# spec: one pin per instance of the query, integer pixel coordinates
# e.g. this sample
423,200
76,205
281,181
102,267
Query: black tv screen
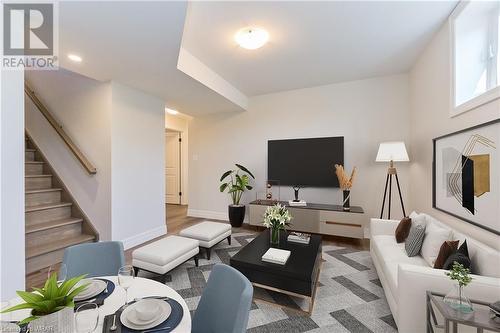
305,162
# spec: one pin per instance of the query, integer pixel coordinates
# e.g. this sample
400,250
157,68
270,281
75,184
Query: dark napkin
172,321
99,299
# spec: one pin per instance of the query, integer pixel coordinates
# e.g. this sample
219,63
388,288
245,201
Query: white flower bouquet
276,218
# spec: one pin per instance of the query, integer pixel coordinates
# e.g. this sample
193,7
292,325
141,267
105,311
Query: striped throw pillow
415,240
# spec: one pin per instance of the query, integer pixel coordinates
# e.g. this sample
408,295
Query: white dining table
140,288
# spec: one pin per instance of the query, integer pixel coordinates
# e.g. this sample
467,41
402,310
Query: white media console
316,218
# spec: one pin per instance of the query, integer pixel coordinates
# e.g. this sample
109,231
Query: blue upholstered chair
225,303
94,259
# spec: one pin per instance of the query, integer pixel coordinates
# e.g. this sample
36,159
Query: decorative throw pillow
435,236
417,218
403,229
461,256
414,240
446,250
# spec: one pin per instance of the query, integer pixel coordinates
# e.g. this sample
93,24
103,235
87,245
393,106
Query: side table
479,319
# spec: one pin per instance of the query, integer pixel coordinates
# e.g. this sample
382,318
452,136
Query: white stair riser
38,183
34,199
48,215
49,235
33,169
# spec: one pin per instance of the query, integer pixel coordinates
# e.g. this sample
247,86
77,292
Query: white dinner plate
128,316
94,288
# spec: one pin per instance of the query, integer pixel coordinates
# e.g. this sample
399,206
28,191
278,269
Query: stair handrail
87,165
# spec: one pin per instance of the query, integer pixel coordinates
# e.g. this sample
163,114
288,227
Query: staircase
53,219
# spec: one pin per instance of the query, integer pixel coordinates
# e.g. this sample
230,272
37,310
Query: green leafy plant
236,183
49,299
460,274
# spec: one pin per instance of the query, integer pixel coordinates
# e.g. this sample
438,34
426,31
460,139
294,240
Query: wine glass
125,278
87,318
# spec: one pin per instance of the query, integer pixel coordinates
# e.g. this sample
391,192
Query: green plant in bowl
51,298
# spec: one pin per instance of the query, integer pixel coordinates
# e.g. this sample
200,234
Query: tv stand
316,218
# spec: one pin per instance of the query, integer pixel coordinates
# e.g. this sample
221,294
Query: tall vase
345,204
274,236
457,299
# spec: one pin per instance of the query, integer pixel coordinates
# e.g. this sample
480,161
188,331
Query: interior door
172,168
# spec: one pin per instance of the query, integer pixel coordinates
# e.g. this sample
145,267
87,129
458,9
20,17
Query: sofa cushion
415,239
435,236
403,229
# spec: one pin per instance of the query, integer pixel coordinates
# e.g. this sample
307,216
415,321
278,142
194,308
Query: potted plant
456,297
51,300
276,218
236,182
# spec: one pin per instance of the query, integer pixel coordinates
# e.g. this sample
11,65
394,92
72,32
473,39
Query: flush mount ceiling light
171,111
74,57
251,38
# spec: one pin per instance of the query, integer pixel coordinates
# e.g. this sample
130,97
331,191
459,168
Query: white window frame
486,97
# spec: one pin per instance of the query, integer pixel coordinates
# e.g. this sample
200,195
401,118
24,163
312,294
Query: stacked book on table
276,256
495,308
297,237
300,203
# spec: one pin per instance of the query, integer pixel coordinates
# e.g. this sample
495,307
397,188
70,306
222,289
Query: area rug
349,297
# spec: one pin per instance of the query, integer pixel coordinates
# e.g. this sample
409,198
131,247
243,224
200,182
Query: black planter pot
236,215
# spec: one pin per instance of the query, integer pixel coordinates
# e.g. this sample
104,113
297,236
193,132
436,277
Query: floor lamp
392,152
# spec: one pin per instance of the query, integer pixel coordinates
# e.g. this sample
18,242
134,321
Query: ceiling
184,52
135,43
311,43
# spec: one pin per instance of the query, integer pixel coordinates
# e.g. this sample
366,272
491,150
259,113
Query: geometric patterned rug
349,297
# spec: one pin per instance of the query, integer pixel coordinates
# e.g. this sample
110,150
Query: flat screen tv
305,162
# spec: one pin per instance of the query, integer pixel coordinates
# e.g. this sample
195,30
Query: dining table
140,288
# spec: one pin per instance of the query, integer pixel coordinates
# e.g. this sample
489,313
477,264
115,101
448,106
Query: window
475,54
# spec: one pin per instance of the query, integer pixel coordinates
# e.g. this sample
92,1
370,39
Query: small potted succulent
236,182
51,300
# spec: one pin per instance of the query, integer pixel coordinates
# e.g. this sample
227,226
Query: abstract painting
466,175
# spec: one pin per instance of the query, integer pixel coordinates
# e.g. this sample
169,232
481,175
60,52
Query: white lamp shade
392,151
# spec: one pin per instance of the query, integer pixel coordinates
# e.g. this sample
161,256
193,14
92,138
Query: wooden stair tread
37,176
47,206
52,224
33,251
34,162
43,190
30,149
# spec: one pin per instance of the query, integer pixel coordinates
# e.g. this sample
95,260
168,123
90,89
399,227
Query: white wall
138,165
430,106
83,107
12,184
365,112
180,123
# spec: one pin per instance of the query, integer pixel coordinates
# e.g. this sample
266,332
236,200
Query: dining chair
94,259
225,303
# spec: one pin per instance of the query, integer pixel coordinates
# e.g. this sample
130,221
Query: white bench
165,254
208,234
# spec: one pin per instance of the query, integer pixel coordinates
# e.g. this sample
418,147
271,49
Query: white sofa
406,279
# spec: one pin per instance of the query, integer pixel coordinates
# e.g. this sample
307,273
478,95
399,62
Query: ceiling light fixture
74,57
171,111
251,38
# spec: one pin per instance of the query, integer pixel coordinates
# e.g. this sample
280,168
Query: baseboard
211,215
144,237
207,214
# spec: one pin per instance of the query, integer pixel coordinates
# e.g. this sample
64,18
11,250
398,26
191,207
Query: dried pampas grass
344,180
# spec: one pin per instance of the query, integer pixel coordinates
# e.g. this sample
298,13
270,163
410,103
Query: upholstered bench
165,254
208,234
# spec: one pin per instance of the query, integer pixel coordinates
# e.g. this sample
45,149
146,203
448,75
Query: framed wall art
466,175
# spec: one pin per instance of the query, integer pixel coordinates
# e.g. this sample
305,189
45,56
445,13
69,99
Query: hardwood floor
177,219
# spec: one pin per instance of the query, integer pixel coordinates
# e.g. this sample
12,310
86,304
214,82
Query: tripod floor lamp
392,152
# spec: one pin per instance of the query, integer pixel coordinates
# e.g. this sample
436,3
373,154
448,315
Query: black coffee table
298,277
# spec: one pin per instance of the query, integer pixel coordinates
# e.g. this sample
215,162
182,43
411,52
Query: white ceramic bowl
146,309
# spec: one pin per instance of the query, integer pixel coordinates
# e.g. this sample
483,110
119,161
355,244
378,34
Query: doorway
173,173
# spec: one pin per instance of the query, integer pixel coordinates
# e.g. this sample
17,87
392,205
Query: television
305,162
